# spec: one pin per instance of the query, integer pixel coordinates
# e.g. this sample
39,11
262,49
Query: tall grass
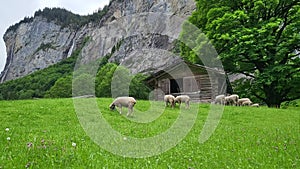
47,134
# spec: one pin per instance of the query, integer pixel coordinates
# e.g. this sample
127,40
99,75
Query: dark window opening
176,85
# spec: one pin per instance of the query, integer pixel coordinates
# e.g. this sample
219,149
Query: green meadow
47,133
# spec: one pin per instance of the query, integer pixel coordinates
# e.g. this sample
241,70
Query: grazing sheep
183,98
169,99
232,99
240,101
123,101
255,105
247,103
220,99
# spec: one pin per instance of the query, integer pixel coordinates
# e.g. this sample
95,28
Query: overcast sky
13,11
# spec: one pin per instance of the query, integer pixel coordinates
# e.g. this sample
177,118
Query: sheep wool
183,98
120,102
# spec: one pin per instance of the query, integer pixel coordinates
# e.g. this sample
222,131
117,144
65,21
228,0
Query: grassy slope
245,138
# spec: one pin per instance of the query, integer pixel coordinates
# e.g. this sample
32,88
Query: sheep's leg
172,102
179,103
187,104
130,109
129,112
120,109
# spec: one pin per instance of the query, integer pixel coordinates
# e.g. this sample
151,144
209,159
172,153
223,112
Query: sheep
183,98
240,101
255,105
247,103
123,101
169,99
220,99
231,99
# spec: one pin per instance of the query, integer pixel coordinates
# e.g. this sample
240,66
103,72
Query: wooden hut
199,82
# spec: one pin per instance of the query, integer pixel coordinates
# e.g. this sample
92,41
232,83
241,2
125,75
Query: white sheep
220,99
231,99
123,102
247,103
183,98
169,99
255,105
240,101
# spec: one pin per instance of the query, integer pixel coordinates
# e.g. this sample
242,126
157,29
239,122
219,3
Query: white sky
13,11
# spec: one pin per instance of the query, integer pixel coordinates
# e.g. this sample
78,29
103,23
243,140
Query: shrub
83,85
61,89
103,80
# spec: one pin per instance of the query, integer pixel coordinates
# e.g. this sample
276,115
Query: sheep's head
112,106
172,101
176,100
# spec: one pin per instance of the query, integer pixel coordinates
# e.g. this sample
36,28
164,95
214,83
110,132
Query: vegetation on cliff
63,17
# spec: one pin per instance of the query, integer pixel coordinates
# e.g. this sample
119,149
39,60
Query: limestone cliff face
144,30
35,45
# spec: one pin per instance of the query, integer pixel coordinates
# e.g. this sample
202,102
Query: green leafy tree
138,88
118,80
61,89
258,38
121,81
103,80
29,94
84,84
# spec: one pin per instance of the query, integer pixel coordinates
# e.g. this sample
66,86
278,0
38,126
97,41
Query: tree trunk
271,102
273,105
273,99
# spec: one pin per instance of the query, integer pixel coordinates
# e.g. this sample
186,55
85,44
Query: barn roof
179,62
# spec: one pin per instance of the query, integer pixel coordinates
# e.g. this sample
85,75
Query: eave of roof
177,63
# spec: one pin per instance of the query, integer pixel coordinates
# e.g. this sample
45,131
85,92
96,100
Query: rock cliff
140,34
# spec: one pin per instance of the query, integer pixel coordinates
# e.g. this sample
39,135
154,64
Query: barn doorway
176,85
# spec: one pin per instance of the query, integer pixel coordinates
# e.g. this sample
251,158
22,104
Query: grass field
47,134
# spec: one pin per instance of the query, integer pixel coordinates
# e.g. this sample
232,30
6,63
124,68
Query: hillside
48,133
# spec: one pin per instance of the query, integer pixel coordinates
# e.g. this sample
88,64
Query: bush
61,89
118,80
26,94
84,84
103,80
294,103
138,88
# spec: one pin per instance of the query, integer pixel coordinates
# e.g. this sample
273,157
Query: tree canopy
258,38
113,80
